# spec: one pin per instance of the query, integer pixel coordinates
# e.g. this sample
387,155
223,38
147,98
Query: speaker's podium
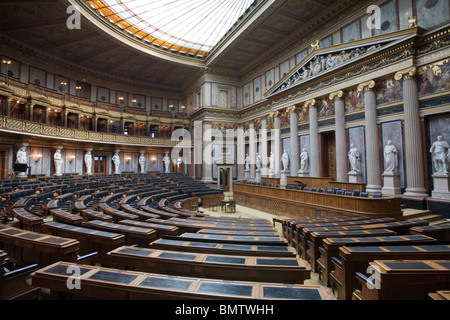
21,169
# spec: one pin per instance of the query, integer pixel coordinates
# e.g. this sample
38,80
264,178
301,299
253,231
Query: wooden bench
117,214
143,215
356,259
331,247
187,236
439,232
160,229
113,284
133,235
404,280
89,214
223,248
238,233
28,247
91,240
60,215
162,214
27,220
262,269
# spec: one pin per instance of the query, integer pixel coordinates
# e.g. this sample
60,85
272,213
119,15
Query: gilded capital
365,86
406,74
310,103
274,114
337,94
291,109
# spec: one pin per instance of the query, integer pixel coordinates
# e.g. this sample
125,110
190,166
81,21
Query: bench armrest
87,257
20,272
336,261
361,277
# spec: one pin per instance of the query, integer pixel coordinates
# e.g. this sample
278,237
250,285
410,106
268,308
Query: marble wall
356,136
393,130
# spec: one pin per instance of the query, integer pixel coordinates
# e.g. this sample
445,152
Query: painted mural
326,107
303,115
434,77
389,91
354,100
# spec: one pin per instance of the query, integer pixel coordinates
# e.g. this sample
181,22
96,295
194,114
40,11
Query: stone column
276,142
295,154
314,158
94,123
207,153
372,146
240,152
341,154
263,148
252,149
415,173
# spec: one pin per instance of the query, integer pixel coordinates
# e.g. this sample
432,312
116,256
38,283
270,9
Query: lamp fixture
37,157
128,159
7,61
71,158
153,159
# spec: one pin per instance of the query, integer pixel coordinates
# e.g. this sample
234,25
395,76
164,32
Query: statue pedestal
247,175
283,180
391,184
303,173
355,177
22,175
441,183
258,176
271,174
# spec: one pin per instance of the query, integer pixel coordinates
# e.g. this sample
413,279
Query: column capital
310,103
338,94
291,109
406,74
273,114
366,86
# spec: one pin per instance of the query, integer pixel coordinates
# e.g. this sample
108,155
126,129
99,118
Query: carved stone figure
58,162
304,163
439,151
272,162
354,159
88,162
142,162
258,162
390,158
21,156
166,161
247,162
285,161
116,160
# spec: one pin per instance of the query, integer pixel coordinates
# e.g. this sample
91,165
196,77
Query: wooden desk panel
109,284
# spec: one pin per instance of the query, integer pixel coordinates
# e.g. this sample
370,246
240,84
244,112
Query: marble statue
166,161
390,158
88,162
142,162
116,160
304,165
439,151
285,161
354,158
272,162
247,162
21,156
258,162
58,162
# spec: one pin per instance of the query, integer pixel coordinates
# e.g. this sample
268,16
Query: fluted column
276,142
263,147
240,150
415,174
252,149
295,156
314,169
372,146
341,154
207,153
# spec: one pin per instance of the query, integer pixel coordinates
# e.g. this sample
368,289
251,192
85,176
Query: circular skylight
191,27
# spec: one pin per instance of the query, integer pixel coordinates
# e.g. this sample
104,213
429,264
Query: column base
303,174
22,175
373,189
208,180
441,189
391,184
247,175
355,177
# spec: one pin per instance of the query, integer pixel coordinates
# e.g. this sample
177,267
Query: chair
313,189
356,193
320,190
306,189
194,207
213,206
232,206
340,192
377,195
329,191
348,193
298,187
277,186
364,194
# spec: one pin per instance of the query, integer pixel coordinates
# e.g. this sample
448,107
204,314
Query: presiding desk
114,284
300,203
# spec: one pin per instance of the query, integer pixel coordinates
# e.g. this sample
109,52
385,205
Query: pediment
327,60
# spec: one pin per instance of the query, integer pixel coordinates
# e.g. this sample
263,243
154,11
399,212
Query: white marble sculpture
390,158
247,162
285,161
304,163
142,162
57,157
166,161
354,159
21,156
439,151
88,162
272,162
258,162
116,160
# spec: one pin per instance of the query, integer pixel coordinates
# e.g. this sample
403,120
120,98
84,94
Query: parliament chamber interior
245,150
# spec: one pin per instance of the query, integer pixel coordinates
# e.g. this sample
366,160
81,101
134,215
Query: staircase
433,219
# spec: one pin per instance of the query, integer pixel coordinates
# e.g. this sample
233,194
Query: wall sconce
128,159
71,158
153,159
37,157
